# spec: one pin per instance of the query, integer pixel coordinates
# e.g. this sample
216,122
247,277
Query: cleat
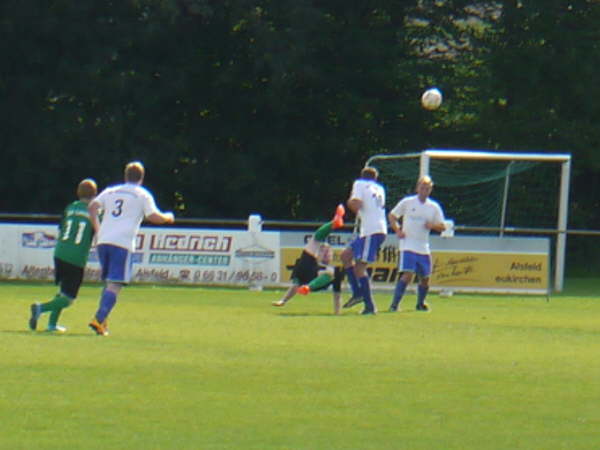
354,300
424,307
56,329
304,289
278,303
368,312
338,218
99,328
36,311
394,306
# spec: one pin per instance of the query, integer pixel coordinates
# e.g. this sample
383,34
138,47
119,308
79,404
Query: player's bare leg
288,295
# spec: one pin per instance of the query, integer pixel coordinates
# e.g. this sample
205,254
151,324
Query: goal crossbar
498,156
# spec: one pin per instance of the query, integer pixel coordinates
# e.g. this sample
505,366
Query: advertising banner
490,270
162,255
460,263
265,258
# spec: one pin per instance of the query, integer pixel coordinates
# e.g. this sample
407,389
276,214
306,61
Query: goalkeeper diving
313,270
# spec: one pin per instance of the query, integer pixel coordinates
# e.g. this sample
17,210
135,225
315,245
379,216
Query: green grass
191,368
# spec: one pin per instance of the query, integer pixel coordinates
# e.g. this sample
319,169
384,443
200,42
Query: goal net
488,192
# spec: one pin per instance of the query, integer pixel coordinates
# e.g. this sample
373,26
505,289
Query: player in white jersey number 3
124,207
419,215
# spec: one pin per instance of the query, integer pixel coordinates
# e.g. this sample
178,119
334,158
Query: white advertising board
162,255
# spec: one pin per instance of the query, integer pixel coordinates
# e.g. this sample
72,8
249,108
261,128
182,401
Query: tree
268,106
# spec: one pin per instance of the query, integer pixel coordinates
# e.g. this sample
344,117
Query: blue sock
107,301
398,292
421,294
353,281
365,289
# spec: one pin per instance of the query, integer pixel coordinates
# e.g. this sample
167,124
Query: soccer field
200,368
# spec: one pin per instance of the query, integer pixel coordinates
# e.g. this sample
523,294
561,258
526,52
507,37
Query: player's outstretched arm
436,226
159,218
337,303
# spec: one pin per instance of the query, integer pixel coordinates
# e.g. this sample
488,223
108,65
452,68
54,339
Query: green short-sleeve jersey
75,235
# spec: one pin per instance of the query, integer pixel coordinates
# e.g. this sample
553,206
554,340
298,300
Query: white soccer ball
431,99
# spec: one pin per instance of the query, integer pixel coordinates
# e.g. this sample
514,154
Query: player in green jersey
313,270
73,244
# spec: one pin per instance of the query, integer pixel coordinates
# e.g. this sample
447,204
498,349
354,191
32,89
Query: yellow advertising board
515,265
490,270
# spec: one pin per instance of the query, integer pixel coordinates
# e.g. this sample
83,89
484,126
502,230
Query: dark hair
134,172
369,173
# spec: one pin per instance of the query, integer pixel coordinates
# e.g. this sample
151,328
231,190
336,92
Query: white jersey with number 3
372,212
124,207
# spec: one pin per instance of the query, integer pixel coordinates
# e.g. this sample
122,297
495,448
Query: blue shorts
415,262
365,248
116,263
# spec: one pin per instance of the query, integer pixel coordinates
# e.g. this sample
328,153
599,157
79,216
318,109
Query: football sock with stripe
59,301
58,304
398,292
365,289
421,294
107,302
319,282
323,232
353,281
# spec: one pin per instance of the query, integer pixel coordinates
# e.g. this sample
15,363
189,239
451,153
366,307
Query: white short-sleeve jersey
124,207
414,215
372,212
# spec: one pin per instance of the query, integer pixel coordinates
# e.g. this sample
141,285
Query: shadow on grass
308,314
44,333
346,313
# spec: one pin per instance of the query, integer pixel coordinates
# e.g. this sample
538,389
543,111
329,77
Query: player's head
425,179
87,189
369,173
424,186
134,172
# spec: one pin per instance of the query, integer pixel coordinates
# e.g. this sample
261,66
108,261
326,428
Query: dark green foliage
267,106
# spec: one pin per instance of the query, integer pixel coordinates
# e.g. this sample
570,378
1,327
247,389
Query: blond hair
134,172
87,189
369,173
425,179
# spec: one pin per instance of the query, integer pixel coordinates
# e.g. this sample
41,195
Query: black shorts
307,269
68,276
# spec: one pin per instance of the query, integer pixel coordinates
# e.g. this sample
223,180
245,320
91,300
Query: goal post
490,192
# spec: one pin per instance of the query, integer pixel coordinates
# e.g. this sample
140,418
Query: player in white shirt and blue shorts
419,214
367,201
123,208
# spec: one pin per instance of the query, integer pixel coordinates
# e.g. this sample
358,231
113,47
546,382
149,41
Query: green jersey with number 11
75,235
